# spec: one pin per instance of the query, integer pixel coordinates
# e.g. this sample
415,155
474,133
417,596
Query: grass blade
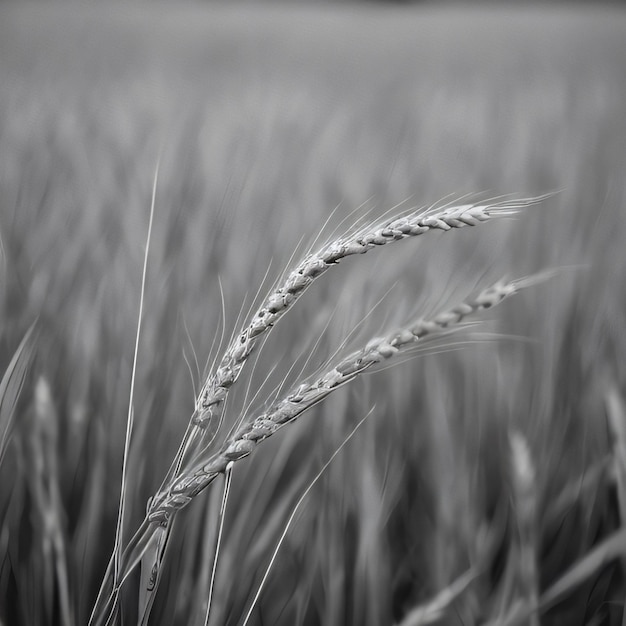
11,386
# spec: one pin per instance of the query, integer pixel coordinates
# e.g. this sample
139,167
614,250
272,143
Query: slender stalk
227,482
117,551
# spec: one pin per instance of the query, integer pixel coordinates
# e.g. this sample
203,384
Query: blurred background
276,126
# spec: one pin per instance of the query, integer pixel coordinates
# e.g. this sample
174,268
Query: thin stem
227,482
117,551
306,492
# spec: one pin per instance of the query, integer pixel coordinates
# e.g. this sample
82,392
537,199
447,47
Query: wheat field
486,481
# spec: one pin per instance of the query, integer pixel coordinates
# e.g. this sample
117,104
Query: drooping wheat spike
210,401
308,394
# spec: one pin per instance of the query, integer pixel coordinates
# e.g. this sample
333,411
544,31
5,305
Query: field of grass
488,483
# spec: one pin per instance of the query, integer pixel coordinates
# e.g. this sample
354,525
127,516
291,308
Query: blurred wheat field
271,124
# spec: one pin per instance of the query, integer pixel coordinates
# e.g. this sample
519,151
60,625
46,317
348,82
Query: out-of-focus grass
266,119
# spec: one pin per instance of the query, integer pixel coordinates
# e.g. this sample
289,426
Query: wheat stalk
196,466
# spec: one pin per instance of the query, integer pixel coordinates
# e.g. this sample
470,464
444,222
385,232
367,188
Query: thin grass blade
11,386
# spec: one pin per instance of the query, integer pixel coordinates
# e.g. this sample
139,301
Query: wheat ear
213,394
